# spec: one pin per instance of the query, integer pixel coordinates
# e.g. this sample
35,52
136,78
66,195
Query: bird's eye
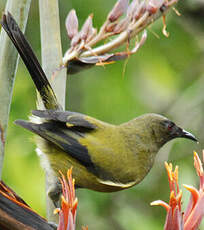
170,126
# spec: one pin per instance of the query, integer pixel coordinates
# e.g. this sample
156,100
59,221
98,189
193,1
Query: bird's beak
188,135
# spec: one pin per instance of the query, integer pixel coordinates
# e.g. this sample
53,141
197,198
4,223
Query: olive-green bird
104,157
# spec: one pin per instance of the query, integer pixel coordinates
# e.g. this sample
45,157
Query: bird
105,157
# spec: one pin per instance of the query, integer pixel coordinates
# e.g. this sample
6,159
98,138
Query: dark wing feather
73,119
58,134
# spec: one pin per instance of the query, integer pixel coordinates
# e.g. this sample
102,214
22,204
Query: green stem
51,60
8,65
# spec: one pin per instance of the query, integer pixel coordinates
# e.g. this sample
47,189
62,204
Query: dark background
166,76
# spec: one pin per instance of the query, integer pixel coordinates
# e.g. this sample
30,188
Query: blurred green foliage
166,76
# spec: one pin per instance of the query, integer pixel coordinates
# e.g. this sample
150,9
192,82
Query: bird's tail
30,60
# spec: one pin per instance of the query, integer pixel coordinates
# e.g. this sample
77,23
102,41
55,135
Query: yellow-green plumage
104,157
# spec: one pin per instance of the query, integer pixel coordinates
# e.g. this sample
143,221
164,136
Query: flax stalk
8,65
51,60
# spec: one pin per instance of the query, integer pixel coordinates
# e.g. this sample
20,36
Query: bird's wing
71,119
65,138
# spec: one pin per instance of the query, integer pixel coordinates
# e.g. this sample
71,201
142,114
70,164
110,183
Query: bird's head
164,130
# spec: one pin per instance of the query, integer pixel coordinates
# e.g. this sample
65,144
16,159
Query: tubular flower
67,212
192,217
195,209
123,23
